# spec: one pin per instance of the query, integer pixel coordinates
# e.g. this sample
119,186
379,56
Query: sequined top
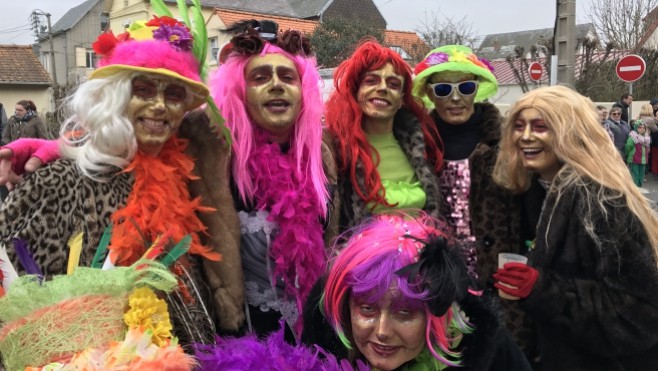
455,182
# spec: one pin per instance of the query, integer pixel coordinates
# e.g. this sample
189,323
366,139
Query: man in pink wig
268,90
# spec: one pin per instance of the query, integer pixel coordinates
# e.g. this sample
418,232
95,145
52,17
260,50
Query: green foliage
335,39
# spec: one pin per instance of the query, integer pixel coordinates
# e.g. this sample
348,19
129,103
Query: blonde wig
586,151
646,111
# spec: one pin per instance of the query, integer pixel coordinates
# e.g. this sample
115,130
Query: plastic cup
508,257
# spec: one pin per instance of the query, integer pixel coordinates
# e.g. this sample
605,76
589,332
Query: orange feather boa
159,203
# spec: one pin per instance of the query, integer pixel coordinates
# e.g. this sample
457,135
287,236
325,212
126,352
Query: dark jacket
595,305
16,129
408,133
496,219
488,348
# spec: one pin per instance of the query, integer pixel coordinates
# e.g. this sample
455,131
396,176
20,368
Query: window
213,43
84,57
401,51
89,59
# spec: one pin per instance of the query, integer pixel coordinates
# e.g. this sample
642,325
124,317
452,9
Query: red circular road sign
535,71
631,67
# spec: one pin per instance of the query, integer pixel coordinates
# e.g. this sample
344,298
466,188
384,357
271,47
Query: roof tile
19,64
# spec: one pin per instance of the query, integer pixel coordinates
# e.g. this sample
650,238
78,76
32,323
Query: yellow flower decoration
458,56
148,312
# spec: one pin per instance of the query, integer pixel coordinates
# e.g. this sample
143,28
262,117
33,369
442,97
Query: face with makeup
456,108
274,93
156,108
380,94
389,332
535,141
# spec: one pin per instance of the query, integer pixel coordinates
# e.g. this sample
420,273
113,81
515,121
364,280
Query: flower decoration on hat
455,58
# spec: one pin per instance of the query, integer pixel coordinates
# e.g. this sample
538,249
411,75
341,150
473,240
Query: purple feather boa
272,353
298,250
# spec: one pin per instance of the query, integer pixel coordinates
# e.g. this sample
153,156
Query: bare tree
439,29
620,22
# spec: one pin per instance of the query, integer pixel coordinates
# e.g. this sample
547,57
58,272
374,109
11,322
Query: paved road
651,184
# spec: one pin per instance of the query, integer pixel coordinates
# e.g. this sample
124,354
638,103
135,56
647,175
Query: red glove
521,276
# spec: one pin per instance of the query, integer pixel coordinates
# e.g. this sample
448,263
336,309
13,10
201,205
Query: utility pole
565,41
52,50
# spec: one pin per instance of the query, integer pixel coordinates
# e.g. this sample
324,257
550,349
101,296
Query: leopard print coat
408,133
496,221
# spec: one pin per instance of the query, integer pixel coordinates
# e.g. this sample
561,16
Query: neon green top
398,177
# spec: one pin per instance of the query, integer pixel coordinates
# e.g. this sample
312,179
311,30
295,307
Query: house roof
407,40
499,46
285,23
269,7
73,16
651,23
19,65
309,8
505,75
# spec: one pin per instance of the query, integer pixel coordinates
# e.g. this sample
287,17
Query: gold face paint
380,94
274,93
156,109
455,109
387,333
535,140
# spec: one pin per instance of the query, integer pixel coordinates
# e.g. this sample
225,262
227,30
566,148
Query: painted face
380,94
274,93
156,109
535,140
457,107
390,332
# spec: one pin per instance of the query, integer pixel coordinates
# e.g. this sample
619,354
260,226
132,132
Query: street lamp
52,48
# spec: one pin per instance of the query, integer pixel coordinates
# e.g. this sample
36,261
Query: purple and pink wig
228,88
366,268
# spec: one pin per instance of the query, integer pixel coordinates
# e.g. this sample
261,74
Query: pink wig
366,267
228,88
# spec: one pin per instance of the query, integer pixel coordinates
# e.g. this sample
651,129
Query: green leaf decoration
160,9
177,251
101,251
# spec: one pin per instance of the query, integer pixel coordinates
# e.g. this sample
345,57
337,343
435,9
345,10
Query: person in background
25,123
603,114
487,219
619,128
624,103
654,105
637,152
591,282
3,119
398,297
385,152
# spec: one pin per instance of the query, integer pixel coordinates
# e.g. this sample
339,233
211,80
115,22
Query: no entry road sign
535,71
631,67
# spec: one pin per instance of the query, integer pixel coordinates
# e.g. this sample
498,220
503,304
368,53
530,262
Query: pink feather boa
298,250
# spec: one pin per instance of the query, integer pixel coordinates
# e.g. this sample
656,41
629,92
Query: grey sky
485,16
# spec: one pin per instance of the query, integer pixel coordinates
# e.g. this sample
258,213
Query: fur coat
595,303
212,165
408,133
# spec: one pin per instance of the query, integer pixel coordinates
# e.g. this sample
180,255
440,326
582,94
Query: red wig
344,117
